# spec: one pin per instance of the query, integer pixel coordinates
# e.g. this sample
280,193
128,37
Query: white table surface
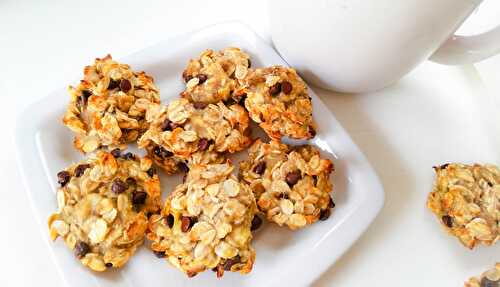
44,45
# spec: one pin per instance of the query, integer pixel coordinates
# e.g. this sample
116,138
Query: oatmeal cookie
215,75
103,204
490,278
108,107
291,185
466,199
182,129
277,99
206,223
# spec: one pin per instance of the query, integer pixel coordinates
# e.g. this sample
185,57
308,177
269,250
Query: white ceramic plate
284,257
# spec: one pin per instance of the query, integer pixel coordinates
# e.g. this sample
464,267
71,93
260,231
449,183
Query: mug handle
461,50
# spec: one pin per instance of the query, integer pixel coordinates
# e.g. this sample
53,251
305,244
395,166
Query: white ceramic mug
364,45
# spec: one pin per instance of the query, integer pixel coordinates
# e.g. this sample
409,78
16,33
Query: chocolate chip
183,167
151,171
312,131
81,249
490,184
324,214
231,261
129,156
157,150
331,204
118,186
80,101
447,220
131,181
191,274
293,177
113,84
203,144
125,85
275,89
169,221
249,63
286,87
162,152
86,94
166,125
260,168
108,264
315,179
444,166
80,169
199,105
486,282
159,254
63,177
220,270
202,78
256,223
139,197
187,222
116,152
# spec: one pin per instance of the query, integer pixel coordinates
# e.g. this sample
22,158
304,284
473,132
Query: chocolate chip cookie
103,204
215,75
466,200
108,106
291,184
206,223
277,99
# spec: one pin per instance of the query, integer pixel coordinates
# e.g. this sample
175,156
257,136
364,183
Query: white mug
364,45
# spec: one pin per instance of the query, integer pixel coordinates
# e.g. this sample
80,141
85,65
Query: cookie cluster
110,201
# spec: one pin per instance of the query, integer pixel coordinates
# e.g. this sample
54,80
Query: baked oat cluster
185,131
490,278
291,184
214,76
466,199
206,222
103,203
108,107
277,99
109,202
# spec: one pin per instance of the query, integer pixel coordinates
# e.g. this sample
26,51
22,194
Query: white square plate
44,147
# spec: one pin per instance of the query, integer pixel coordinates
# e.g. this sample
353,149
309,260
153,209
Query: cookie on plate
291,184
215,75
277,99
206,223
103,204
490,278
108,107
466,199
180,130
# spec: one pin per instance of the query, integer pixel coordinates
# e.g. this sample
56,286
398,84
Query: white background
45,44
